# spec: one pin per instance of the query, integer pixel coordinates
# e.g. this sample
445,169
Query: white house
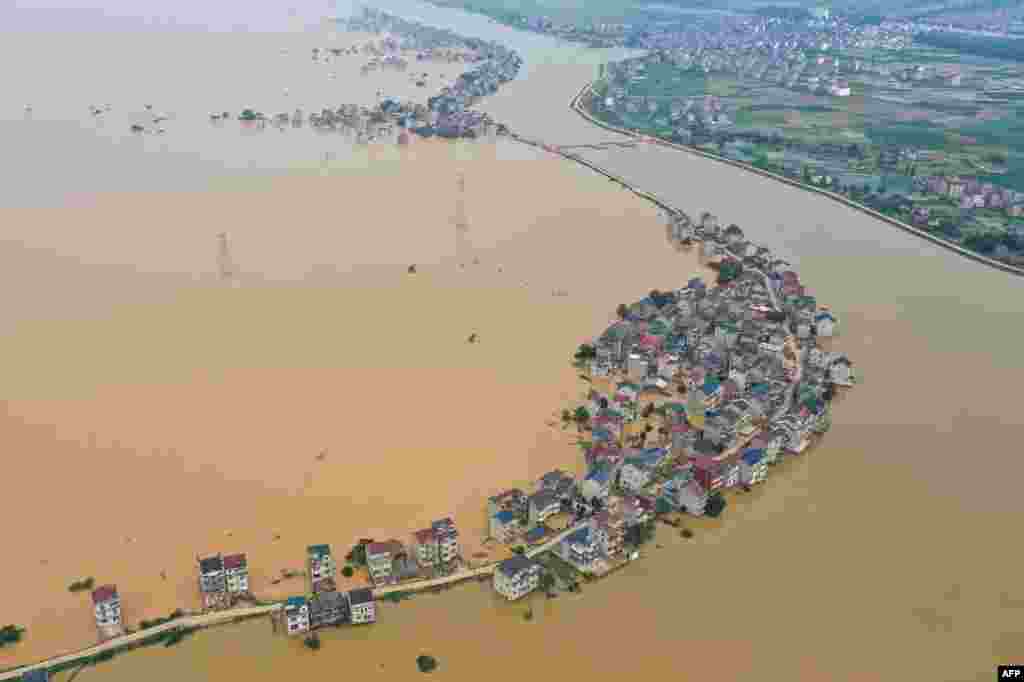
824,324
505,526
447,538
636,367
362,608
634,475
841,372
692,498
236,569
107,607
516,577
753,468
580,548
296,615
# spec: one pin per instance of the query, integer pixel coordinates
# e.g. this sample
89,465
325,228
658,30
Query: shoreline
574,104
213,619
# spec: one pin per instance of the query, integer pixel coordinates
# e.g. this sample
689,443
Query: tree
547,581
622,311
662,506
347,571
10,634
426,663
716,505
581,415
313,641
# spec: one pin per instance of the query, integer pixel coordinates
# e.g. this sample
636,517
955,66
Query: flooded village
695,395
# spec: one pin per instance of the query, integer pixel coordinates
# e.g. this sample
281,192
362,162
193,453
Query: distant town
892,114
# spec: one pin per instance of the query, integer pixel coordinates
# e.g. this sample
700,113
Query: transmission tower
225,264
461,223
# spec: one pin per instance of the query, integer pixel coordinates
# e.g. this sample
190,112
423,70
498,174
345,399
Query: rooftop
516,564
211,564
363,595
235,561
104,593
318,550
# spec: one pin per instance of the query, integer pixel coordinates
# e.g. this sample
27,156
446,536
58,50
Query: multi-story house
543,505
512,500
425,547
236,573
321,567
505,526
753,467
379,560
609,529
296,615
580,548
361,607
516,577
107,609
447,539
635,474
596,484
327,608
213,581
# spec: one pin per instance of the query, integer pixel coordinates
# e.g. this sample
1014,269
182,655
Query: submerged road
230,615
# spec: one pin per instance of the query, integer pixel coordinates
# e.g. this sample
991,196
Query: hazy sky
216,15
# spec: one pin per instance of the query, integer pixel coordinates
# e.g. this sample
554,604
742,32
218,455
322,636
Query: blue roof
37,675
581,535
711,385
753,455
824,316
598,475
602,434
535,534
696,283
295,601
758,389
505,516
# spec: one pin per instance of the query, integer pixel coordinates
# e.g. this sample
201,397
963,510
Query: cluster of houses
968,193
494,65
324,605
734,373
223,580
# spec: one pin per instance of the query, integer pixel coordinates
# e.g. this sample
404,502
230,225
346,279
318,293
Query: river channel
885,553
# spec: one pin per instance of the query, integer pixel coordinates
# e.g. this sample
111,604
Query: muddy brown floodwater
149,412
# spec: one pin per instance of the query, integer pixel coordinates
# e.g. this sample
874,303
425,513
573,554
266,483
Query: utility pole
461,223
225,264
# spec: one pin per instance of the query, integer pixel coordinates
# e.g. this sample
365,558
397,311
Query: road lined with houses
229,615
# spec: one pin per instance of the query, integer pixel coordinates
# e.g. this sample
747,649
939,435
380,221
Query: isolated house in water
320,567
296,615
213,582
236,573
107,606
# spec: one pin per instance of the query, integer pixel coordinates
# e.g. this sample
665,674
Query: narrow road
205,620
221,617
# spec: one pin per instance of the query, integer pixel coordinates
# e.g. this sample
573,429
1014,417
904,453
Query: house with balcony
753,467
609,529
425,549
380,557
107,610
505,526
296,616
236,574
516,577
447,538
213,584
321,568
361,606
543,505
580,548
328,608
596,484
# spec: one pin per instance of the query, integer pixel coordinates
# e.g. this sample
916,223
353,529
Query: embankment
575,105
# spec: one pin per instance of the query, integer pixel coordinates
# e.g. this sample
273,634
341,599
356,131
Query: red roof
232,561
104,593
424,536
